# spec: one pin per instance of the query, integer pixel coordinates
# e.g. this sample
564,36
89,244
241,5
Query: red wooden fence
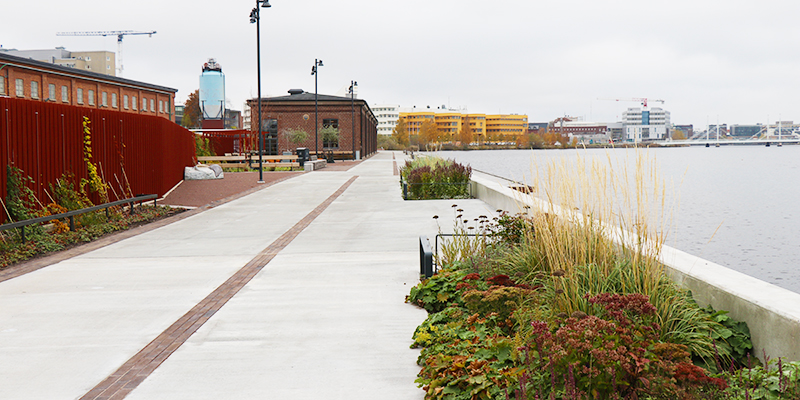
45,140
230,141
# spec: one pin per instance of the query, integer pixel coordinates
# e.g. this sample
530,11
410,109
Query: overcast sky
733,61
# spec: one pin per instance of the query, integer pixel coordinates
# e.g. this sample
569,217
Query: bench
226,162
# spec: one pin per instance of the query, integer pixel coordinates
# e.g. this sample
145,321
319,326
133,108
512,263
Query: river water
737,205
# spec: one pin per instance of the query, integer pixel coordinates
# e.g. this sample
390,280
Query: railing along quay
71,214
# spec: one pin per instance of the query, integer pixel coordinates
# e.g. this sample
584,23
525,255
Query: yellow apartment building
497,127
506,127
414,120
448,125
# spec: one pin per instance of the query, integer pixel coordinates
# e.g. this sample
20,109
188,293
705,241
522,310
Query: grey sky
733,60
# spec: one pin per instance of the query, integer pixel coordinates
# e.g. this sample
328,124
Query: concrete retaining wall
771,312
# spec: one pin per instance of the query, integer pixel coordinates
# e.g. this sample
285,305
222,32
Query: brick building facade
40,81
358,126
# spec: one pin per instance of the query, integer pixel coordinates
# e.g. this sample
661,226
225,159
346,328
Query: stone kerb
771,312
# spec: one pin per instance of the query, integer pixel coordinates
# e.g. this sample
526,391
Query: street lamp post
353,85
315,72
255,16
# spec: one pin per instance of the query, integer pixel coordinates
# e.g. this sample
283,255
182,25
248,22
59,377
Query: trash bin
302,156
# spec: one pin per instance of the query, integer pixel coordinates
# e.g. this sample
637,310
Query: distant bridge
728,142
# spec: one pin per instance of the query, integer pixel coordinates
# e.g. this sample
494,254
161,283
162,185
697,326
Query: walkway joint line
128,376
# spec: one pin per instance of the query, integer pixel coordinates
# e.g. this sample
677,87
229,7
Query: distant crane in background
118,34
643,101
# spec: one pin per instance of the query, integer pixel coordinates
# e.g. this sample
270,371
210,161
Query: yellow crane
118,34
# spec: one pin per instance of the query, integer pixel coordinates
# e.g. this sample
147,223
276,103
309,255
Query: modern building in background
580,131
646,124
483,127
101,62
388,115
212,95
26,78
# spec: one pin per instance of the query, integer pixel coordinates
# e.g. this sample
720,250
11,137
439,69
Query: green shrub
435,178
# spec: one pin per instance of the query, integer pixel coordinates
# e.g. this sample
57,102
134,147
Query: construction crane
118,34
641,100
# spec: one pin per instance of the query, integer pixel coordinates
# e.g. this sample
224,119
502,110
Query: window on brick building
125,101
91,97
161,106
152,105
134,102
114,100
79,96
104,99
144,104
64,94
34,90
2,85
51,92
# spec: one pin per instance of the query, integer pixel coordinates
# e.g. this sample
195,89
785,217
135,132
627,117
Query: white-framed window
64,94
91,97
114,100
161,106
2,85
125,101
20,89
135,103
152,105
34,90
144,104
51,92
104,99
79,96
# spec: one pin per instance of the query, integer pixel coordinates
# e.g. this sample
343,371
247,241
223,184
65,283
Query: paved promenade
294,291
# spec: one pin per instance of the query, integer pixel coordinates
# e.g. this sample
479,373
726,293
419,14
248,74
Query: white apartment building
645,124
387,115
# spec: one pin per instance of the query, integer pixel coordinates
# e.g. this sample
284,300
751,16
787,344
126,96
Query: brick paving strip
38,263
125,379
395,171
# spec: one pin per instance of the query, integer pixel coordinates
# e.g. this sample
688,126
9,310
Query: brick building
357,125
40,81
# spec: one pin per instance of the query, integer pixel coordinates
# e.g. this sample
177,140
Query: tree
191,111
296,136
428,132
465,134
330,136
677,134
400,133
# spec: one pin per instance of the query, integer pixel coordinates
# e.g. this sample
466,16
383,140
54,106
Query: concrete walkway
294,291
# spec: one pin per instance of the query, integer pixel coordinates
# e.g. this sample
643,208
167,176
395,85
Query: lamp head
265,4
320,63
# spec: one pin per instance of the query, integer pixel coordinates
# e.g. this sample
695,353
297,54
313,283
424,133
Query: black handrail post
23,234
72,223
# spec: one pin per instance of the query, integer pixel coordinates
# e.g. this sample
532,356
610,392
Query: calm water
738,205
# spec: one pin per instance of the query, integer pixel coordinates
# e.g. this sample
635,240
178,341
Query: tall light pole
315,72
353,85
255,16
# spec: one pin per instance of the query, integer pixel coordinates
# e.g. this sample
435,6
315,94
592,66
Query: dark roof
305,96
9,59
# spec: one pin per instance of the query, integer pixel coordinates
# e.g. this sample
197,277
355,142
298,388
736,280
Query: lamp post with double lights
255,17
315,72
353,86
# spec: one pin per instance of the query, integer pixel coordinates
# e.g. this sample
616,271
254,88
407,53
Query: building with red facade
25,78
357,125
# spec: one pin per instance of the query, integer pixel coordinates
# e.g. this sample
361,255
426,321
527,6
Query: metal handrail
71,214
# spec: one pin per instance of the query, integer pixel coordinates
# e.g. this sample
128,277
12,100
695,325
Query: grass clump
435,178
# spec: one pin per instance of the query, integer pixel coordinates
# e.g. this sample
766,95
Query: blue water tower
212,95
